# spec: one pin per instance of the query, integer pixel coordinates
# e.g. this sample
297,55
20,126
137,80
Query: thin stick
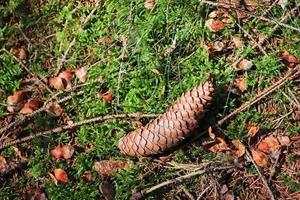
203,192
231,6
262,177
42,109
143,193
74,125
289,75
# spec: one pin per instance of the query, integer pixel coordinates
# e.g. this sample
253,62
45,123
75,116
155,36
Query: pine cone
171,127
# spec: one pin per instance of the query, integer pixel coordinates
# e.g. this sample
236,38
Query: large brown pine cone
171,127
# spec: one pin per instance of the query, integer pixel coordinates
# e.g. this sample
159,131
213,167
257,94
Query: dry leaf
30,106
240,149
228,196
107,97
268,145
245,65
259,157
65,151
218,145
108,167
241,84
81,74
217,46
87,176
253,131
19,154
61,175
20,53
67,75
237,41
55,109
284,140
288,59
104,40
8,167
34,194
3,165
15,102
214,25
149,4
58,83
107,189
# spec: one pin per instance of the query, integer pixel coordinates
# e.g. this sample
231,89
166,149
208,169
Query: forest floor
63,62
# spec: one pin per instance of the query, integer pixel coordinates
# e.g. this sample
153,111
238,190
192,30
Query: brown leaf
284,140
259,157
104,40
34,194
268,145
107,97
61,175
55,109
15,102
87,176
58,83
107,189
81,74
65,151
228,196
237,41
253,131
3,165
19,154
241,84
214,25
20,53
8,167
67,75
245,65
30,106
288,59
149,4
218,145
240,149
108,167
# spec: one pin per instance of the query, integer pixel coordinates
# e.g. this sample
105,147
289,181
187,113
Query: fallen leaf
81,74
284,140
108,167
65,151
67,75
214,25
240,149
149,4
218,145
58,83
3,165
268,145
241,84
20,53
34,194
30,106
8,167
259,157
245,65
61,175
228,196
55,109
104,40
107,189
107,97
253,131
15,102
288,59
217,46
237,41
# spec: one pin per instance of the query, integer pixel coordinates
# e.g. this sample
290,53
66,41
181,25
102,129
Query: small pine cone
171,127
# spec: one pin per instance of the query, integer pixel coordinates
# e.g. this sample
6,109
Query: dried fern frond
171,127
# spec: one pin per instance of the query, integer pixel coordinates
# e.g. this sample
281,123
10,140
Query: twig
203,192
62,60
289,75
143,193
43,108
273,169
231,6
262,177
74,125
